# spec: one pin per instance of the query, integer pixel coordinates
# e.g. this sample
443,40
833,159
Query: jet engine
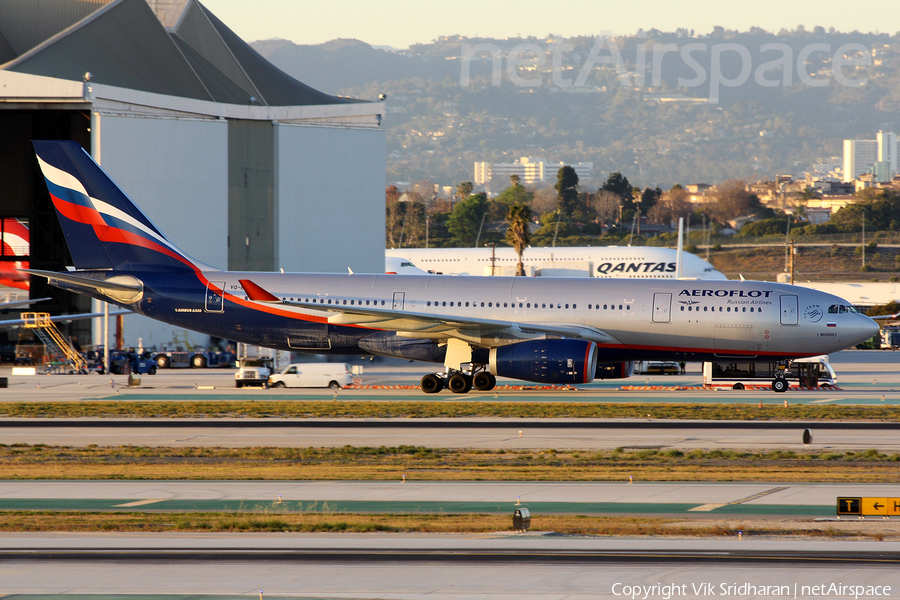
619,370
546,361
388,343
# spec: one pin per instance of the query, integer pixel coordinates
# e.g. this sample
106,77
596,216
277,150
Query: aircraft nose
871,328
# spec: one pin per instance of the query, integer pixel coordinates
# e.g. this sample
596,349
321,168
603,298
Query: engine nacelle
388,343
619,370
546,361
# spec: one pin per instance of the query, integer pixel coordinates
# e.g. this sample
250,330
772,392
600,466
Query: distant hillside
778,110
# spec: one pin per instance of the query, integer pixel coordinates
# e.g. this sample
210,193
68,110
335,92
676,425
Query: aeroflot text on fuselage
657,267
726,293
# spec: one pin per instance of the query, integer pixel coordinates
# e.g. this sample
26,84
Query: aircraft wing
64,318
429,324
18,303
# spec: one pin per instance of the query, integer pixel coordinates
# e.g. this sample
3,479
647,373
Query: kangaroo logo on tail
103,227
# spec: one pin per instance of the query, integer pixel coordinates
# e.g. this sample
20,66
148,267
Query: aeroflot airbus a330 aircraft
535,329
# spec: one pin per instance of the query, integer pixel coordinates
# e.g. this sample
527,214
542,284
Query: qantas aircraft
546,330
14,240
619,262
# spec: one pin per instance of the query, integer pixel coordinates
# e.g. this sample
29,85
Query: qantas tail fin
102,226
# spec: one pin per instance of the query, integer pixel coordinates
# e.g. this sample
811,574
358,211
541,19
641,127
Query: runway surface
709,500
509,434
423,567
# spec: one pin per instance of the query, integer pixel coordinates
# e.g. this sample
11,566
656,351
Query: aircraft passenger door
789,310
214,301
398,300
662,307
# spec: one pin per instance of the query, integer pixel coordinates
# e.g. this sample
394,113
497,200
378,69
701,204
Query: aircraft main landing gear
458,382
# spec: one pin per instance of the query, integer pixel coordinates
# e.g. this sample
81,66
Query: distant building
530,170
878,157
859,156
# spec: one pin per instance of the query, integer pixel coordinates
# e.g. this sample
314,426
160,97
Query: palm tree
464,190
514,182
517,219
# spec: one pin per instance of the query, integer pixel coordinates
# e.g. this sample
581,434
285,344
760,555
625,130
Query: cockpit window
841,308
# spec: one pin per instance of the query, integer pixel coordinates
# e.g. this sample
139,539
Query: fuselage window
382,302
589,306
490,305
520,305
504,305
482,305
467,304
543,306
705,309
728,309
528,305
682,309
751,309
620,307
690,308
574,306
329,301
627,307
443,304
351,303
604,307
426,304
745,309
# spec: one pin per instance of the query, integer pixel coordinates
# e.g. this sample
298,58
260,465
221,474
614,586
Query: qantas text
648,267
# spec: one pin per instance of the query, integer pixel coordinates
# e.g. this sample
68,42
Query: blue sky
399,23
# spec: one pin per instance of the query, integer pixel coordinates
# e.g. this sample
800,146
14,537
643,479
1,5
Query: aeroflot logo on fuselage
641,267
727,293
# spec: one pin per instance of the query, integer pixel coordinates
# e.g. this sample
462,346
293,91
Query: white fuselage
619,262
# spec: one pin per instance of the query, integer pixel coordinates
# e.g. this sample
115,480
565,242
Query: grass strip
338,409
417,463
48,521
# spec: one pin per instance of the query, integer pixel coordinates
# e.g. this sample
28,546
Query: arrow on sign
877,506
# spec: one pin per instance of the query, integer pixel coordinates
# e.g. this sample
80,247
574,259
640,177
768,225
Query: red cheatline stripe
587,362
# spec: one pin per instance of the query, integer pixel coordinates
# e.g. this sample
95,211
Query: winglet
256,293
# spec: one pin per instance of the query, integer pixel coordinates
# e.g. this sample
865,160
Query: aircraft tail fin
103,228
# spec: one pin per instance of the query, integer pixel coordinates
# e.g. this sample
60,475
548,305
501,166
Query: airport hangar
238,164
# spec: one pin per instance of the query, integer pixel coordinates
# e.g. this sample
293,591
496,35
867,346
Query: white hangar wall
329,175
176,171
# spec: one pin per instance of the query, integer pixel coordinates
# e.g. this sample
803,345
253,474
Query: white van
332,375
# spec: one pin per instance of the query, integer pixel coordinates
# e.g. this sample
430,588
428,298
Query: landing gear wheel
431,384
460,383
484,382
780,385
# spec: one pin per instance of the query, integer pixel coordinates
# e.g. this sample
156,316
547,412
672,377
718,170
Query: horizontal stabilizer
89,282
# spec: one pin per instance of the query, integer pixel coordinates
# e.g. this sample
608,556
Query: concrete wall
251,191
329,198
